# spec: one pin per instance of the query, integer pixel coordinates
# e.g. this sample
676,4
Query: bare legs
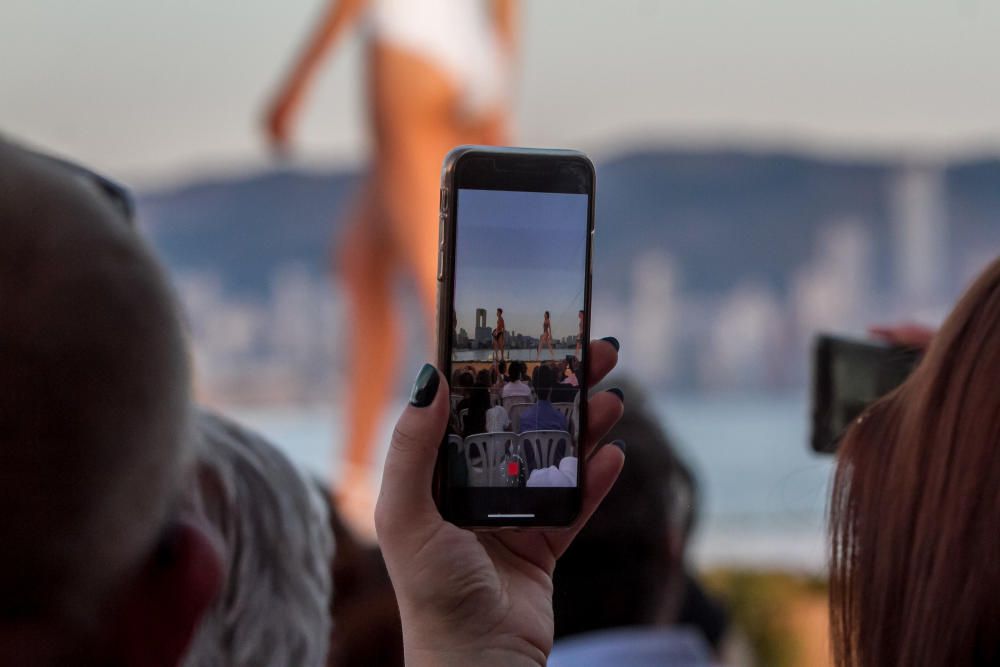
499,343
395,235
547,341
373,349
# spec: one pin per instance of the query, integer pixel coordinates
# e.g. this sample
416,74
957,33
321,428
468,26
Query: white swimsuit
456,35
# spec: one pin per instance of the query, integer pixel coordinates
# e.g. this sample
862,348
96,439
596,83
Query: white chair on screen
515,413
511,401
456,442
543,446
483,454
567,411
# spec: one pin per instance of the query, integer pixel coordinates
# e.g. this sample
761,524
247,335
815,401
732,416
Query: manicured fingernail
620,444
425,388
614,342
617,392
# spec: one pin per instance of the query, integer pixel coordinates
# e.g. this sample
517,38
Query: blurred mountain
729,216
715,268
723,216
244,228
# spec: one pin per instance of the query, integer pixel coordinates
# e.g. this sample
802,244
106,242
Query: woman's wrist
427,646
470,657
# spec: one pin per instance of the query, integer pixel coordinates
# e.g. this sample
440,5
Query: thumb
405,502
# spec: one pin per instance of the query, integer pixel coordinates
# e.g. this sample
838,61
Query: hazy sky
154,89
524,252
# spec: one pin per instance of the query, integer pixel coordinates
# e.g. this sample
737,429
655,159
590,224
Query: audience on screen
477,405
517,387
541,416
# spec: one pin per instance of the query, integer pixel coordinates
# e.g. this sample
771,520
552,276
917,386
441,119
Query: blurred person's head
274,609
366,625
465,382
625,568
100,563
915,562
483,378
517,369
544,380
499,311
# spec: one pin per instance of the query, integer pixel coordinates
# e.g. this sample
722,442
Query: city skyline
524,252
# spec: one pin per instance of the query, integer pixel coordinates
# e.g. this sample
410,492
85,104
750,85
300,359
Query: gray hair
274,610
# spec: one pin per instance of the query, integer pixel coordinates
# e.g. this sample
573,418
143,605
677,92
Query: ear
162,607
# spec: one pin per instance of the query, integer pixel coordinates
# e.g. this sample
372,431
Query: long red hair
915,509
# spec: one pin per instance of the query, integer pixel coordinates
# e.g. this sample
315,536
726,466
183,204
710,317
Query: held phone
513,313
849,375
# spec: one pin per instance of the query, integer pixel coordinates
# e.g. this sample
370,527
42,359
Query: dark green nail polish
425,388
617,392
614,342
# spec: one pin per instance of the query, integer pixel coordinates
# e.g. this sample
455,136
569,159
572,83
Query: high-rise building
484,334
653,319
919,239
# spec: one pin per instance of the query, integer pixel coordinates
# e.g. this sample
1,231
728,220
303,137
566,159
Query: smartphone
514,280
848,376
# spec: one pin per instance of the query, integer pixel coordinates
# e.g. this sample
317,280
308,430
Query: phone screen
850,375
517,354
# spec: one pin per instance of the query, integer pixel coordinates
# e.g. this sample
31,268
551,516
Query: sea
762,491
525,354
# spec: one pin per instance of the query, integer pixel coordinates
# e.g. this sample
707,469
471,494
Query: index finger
602,357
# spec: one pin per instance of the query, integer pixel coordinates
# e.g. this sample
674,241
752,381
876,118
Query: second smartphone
848,376
513,324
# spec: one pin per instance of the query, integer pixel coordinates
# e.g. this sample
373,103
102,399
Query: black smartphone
848,376
514,273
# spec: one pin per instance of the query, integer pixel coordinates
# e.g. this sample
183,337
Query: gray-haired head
274,610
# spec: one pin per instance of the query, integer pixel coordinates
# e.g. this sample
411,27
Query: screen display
848,377
517,339
860,376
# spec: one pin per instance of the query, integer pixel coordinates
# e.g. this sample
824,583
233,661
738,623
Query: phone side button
440,265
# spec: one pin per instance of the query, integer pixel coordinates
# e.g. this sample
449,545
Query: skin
916,336
546,339
482,598
88,293
415,121
579,342
499,338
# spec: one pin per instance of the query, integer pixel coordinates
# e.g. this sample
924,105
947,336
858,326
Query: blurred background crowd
766,171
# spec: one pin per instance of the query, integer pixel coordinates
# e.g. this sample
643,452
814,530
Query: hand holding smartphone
516,232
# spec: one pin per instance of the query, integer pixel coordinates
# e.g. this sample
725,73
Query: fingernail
425,388
617,392
620,444
614,342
